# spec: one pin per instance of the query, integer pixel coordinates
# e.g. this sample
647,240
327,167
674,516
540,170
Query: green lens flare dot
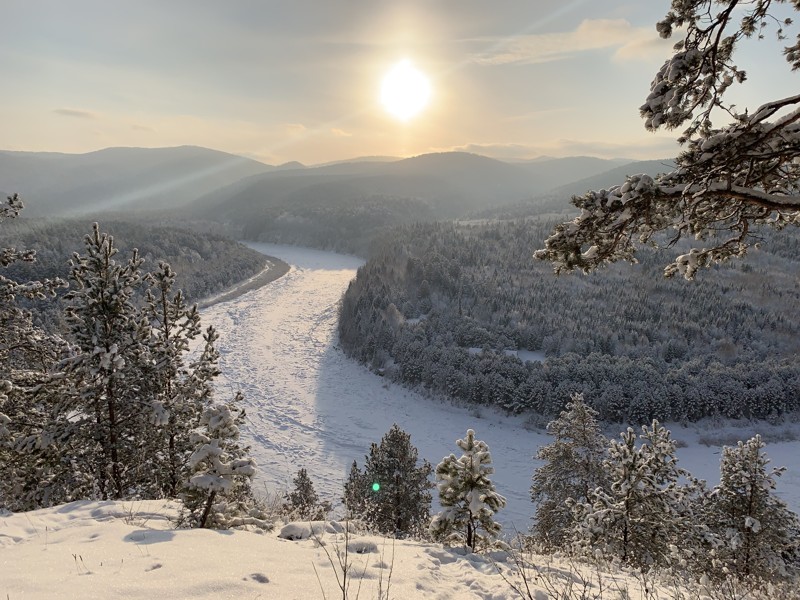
376,486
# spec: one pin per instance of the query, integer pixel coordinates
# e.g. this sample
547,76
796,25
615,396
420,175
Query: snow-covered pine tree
638,518
303,502
729,181
32,469
757,533
392,494
218,494
102,385
573,469
468,497
176,405
355,491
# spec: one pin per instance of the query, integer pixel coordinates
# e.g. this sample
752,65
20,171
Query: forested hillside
455,307
345,206
205,264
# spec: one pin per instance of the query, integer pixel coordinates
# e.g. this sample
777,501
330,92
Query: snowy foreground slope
107,550
310,406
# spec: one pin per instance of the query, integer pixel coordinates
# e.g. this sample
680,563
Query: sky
301,80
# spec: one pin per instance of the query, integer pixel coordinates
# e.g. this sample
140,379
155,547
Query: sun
405,91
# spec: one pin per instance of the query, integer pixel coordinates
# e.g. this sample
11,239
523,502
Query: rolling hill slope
55,184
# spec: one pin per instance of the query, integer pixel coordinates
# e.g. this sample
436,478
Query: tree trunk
112,442
207,509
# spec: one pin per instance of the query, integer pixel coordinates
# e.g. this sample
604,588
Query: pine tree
573,469
176,406
217,493
356,489
113,417
638,518
391,494
31,467
468,498
303,502
757,533
103,382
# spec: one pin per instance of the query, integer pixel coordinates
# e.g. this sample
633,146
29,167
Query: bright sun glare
405,91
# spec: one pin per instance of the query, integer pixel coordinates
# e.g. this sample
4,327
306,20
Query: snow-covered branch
728,181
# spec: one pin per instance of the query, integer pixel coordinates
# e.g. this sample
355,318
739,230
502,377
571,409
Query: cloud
340,132
75,113
294,128
645,48
641,148
591,34
137,127
498,150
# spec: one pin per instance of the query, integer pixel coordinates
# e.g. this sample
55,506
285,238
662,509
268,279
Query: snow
130,550
310,406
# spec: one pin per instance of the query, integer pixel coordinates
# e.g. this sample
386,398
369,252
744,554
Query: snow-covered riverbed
310,406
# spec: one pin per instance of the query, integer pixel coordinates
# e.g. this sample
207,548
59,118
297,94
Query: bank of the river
274,269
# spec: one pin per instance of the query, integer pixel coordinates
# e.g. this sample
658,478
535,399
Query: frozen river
310,406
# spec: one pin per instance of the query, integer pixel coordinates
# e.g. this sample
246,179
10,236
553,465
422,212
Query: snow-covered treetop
728,179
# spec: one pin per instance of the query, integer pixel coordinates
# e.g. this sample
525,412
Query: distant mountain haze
452,184
260,201
615,176
54,184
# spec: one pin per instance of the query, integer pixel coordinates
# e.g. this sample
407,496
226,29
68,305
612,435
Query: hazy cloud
137,127
591,34
340,132
76,113
645,48
639,149
495,150
294,128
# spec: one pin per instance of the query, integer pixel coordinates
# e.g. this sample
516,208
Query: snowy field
310,406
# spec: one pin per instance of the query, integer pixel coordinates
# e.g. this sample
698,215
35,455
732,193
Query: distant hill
377,158
55,184
340,205
556,201
452,184
615,176
345,205
291,165
555,172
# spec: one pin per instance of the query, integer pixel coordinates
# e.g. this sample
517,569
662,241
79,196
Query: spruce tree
468,497
392,494
573,469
